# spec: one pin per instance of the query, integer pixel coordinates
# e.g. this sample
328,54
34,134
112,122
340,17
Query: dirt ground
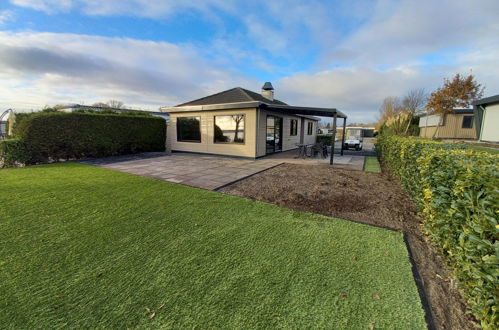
370,198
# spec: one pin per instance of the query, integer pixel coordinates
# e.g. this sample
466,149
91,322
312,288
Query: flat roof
487,100
309,111
360,127
289,109
453,112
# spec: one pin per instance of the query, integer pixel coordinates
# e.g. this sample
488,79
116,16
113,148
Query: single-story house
325,131
459,124
487,118
360,132
239,122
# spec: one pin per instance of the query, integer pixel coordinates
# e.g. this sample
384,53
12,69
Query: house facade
459,124
241,123
487,118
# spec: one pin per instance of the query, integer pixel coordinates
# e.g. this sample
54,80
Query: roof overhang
212,107
292,110
486,101
307,111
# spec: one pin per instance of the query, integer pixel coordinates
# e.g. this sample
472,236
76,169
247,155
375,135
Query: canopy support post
343,135
333,138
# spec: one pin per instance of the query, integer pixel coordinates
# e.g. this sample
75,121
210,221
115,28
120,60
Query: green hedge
457,192
12,153
326,138
55,136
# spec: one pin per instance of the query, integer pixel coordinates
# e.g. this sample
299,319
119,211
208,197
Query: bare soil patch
370,198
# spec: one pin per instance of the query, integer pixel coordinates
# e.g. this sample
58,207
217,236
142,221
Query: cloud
143,8
6,16
400,30
360,90
66,68
400,45
357,91
48,6
346,54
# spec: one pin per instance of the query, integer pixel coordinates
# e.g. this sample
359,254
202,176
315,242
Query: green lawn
372,165
85,247
491,150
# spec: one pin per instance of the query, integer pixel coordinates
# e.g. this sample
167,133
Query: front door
273,134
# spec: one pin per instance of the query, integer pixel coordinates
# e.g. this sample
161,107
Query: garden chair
319,149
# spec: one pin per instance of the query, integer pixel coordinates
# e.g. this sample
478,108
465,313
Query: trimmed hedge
52,136
325,138
457,192
12,153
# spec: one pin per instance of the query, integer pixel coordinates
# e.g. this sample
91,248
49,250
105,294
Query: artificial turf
86,247
372,165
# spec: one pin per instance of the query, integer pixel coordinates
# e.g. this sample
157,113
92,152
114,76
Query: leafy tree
459,92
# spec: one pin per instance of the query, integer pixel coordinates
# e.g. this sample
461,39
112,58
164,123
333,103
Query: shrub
325,138
55,136
457,191
12,153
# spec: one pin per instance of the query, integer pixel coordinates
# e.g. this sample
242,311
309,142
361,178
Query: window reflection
229,129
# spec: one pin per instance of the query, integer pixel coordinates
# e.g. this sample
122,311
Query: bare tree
412,102
101,105
115,104
390,107
237,119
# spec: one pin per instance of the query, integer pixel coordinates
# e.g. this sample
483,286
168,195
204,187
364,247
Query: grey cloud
26,60
398,31
61,68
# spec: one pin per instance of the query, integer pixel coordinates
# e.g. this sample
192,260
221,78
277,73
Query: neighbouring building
459,124
360,132
242,123
325,130
487,118
5,127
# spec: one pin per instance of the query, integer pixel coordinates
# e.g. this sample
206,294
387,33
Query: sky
349,55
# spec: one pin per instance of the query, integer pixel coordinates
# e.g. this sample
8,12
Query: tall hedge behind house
55,136
325,138
457,191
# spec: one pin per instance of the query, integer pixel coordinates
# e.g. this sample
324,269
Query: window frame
228,115
471,122
293,132
310,128
178,131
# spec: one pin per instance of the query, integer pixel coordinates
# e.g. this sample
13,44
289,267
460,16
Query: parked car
353,142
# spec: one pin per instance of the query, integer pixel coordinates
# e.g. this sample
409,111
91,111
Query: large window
229,129
188,129
310,128
467,122
293,129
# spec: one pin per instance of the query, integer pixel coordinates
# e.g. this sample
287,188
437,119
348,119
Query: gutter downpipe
479,137
257,129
